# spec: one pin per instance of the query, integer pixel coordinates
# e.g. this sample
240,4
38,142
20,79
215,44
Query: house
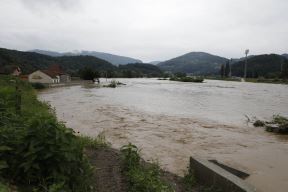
54,74
43,76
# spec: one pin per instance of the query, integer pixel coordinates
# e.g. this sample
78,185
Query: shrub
141,178
36,151
189,180
259,123
38,85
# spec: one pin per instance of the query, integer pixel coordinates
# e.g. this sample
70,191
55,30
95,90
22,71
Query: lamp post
245,69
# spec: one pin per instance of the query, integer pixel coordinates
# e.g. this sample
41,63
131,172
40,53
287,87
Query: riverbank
39,153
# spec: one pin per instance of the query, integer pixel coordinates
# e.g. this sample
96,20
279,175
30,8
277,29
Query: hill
285,55
268,66
140,70
155,62
114,59
30,61
195,63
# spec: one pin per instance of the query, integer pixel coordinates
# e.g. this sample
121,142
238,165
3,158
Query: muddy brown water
171,121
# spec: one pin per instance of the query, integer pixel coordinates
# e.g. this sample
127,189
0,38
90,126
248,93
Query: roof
54,70
51,74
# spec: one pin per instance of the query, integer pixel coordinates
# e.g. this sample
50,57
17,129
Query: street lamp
245,70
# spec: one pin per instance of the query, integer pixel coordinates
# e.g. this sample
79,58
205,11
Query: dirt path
109,178
107,174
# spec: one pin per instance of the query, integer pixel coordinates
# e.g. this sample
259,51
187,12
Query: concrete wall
210,174
40,77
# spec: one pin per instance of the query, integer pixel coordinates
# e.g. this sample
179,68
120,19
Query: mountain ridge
194,62
112,58
265,65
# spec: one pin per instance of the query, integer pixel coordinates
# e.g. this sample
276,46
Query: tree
227,69
284,72
222,71
89,74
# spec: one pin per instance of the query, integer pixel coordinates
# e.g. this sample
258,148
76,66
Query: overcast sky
146,29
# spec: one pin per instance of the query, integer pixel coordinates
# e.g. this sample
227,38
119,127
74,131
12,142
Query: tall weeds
141,178
37,153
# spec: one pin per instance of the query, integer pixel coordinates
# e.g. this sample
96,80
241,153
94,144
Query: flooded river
171,121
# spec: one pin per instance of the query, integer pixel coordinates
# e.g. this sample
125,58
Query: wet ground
171,121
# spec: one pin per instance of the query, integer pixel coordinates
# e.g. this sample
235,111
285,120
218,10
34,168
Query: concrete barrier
210,174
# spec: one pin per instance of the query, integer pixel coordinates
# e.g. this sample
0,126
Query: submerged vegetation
278,124
187,79
113,84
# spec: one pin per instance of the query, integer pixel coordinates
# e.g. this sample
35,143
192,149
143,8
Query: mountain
285,55
140,70
30,61
114,59
195,63
268,66
49,53
155,62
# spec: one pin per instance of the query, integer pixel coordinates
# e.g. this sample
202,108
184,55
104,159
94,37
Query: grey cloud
60,4
146,29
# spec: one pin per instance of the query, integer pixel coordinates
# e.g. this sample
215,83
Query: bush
141,178
36,151
38,85
259,123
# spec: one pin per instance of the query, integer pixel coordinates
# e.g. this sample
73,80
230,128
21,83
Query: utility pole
230,72
245,70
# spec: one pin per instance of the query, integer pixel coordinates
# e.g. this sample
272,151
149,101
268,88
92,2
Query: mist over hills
114,59
195,63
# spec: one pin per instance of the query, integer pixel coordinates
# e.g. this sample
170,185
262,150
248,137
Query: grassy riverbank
39,153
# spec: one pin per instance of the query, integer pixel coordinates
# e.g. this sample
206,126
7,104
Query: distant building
54,74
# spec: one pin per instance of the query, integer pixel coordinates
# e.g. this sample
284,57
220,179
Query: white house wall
40,77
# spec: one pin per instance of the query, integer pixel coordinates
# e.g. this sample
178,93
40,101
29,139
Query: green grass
141,178
37,152
93,142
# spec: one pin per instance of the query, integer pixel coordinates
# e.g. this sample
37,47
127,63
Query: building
45,77
54,74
